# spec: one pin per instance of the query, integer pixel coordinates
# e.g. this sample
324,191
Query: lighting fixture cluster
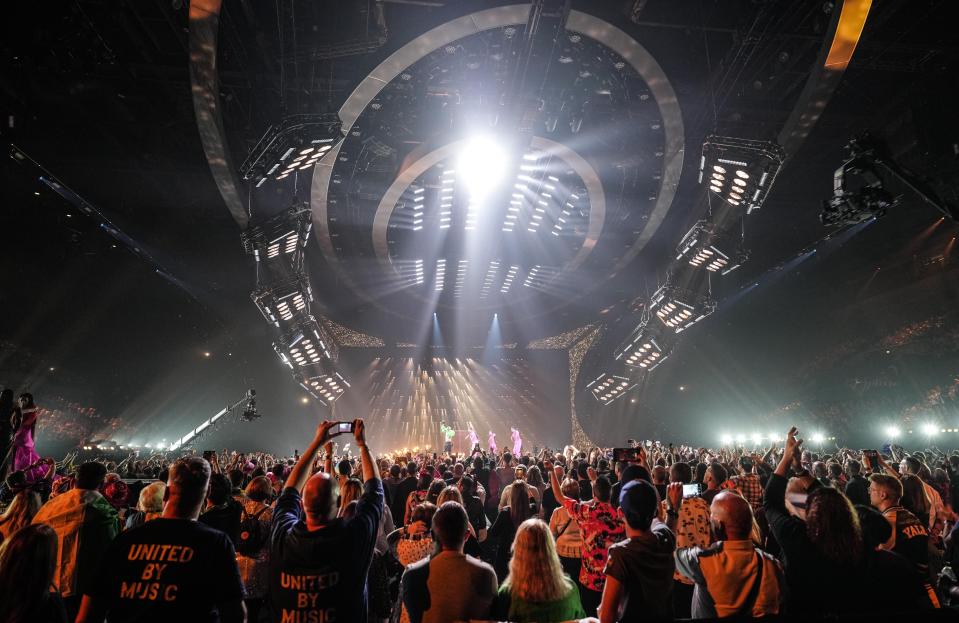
508,281
491,273
306,349
296,144
446,198
644,349
328,386
677,314
740,171
562,219
608,387
460,277
418,198
440,276
531,276
278,243
702,248
282,303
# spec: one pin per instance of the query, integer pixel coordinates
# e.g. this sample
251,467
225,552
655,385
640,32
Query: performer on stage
25,457
517,441
474,438
492,442
448,433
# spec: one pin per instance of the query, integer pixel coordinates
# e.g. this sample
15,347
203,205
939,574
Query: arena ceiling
100,97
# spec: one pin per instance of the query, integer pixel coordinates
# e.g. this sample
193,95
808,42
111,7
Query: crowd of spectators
660,532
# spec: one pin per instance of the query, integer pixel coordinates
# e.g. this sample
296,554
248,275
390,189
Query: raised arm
369,467
301,471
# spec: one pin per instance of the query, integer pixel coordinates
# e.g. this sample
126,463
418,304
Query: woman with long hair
350,490
413,542
27,562
20,513
536,589
507,522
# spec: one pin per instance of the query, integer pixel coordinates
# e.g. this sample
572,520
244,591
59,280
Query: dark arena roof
591,220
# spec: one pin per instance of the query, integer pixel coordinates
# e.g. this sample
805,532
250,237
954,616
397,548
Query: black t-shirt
644,566
168,570
857,490
912,538
319,576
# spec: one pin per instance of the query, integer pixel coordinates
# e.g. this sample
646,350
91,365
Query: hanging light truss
296,144
703,247
740,172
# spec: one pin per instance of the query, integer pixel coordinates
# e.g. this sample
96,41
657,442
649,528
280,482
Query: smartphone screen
690,491
344,427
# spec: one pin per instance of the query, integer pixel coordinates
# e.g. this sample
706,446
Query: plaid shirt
601,527
750,486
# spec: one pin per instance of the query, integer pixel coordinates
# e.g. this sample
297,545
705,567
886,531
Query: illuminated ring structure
615,39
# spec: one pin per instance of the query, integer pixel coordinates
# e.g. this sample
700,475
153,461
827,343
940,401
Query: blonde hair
151,498
351,490
535,573
449,494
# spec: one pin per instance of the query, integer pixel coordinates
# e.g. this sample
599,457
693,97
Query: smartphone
691,491
341,427
626,454
209,455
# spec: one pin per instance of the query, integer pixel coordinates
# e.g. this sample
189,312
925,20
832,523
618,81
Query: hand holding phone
340,428
690,490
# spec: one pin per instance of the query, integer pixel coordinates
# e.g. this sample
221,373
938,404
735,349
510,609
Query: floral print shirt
601,526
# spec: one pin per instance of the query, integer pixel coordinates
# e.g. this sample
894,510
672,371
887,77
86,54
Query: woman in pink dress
24,454
517,441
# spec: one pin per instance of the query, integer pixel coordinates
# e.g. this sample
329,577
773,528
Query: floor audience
664,534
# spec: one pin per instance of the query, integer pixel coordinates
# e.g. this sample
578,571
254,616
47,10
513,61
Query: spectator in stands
600,527
519,508
474,507
85,524
222,511
714,479
692,530
450,586
350,489
520,481
569,541
935,512
748,483
536,589
505,473
909,536
733,577
170,569
28,562
418,495
857,487
401,493
149,505
639,571
253,549
318,566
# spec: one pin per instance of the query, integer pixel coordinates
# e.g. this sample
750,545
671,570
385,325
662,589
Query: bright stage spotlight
756,439
892,432
481,165
608,387
817,438
726,439
678,309
740,171
929,429
295,145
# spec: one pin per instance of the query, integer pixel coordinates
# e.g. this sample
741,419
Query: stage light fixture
326,388
644,349
929,429
678,309
277,243
726,439
297,143
607,388
283,302
817,438
739,171
892,432
702,247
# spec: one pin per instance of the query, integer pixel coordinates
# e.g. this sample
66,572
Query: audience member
536,589
639,571
450,586
85,524
172,568
569,540
319,564
149,505
909,537
253,546
519,508
19,513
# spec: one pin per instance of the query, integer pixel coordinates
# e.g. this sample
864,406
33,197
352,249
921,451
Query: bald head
319,499
731,517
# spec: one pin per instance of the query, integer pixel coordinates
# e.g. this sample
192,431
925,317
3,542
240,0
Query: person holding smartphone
319,564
